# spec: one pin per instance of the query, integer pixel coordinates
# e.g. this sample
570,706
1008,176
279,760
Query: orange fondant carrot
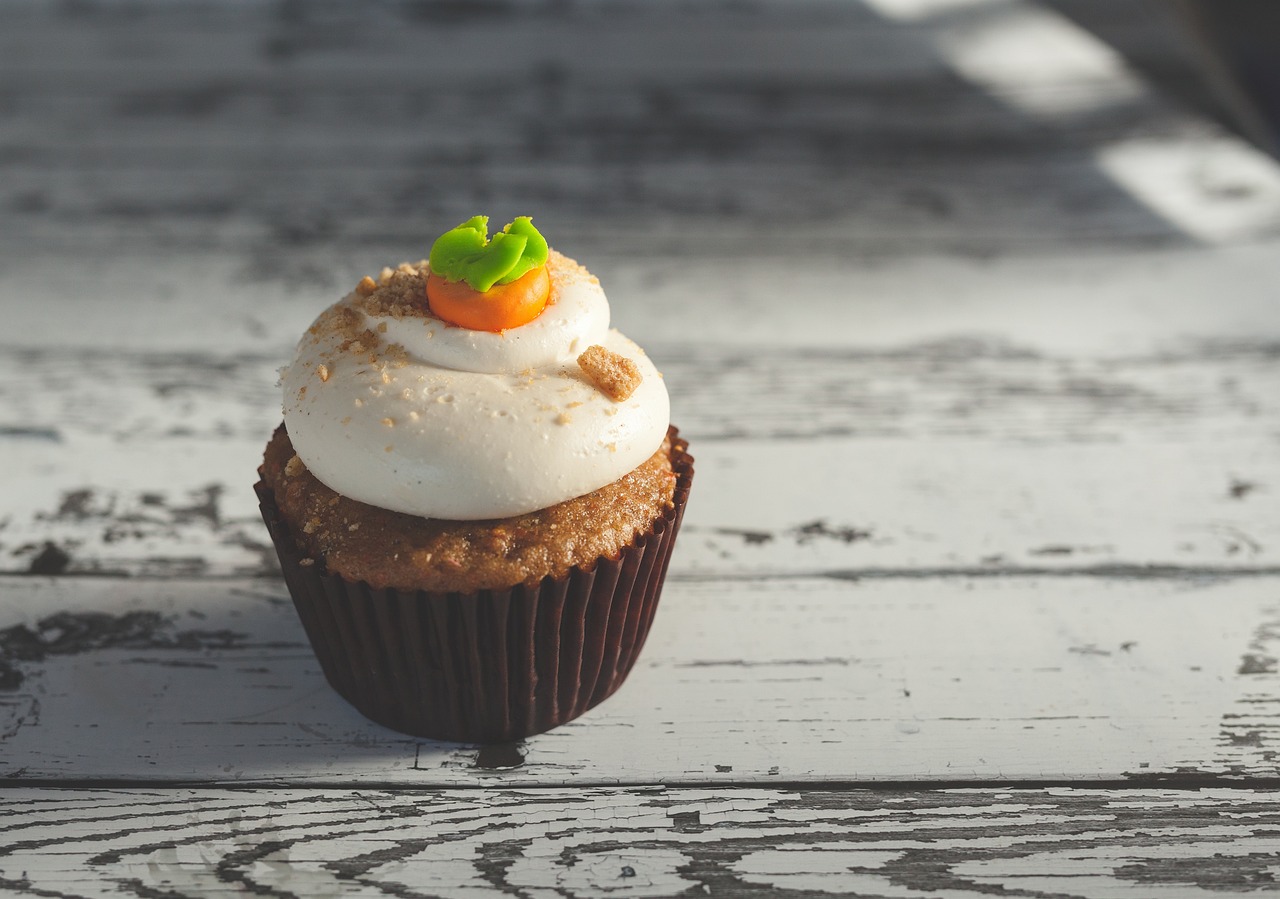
500,307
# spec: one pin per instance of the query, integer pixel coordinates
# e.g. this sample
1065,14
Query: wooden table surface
976,339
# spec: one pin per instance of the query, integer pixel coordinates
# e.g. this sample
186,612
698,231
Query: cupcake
475,490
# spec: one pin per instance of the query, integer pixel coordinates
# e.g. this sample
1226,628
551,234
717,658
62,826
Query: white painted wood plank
815,680
181,506
958,454
964,387
951,844
1086,306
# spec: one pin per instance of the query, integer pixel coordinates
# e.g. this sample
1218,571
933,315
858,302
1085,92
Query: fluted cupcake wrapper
492,665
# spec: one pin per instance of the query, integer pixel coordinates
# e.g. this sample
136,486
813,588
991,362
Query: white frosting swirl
462,424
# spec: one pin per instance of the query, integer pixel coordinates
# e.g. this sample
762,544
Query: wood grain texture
1058,843
962,454
270,129
975,506
924,678
1091,304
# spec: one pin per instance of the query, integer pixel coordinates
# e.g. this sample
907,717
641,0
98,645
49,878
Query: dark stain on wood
1239,489
205,508
750,538
1219,873
1118,571
1246,732
51,560
1088,650
146,518
1052,551
17,432
1248,738
1256,663
820,530
768,663
172,663
73,633
75,506
687,822
500,756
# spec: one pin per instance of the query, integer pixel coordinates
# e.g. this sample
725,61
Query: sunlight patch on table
1213,188
1034,61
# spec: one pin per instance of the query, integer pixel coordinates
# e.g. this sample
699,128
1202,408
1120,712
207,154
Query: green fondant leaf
535,250
465,254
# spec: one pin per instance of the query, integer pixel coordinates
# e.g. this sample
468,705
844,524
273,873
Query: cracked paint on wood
1059,843
938,679
944,455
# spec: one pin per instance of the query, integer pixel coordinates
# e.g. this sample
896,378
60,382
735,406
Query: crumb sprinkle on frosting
615,375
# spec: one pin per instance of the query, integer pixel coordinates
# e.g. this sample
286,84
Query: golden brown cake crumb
401,292
562,266
616,376
366,286
396,355
340,320
392,549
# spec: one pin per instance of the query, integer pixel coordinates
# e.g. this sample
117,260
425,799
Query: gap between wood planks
1118,571
1044,843
1188,783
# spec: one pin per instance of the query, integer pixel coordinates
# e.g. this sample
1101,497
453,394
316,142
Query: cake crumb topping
568,269
400,293
616,376
340,320
294,467
396,354
366,286
359,343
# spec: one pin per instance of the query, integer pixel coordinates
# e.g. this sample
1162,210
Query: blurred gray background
296,135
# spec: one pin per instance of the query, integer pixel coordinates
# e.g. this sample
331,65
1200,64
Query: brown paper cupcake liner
492,665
